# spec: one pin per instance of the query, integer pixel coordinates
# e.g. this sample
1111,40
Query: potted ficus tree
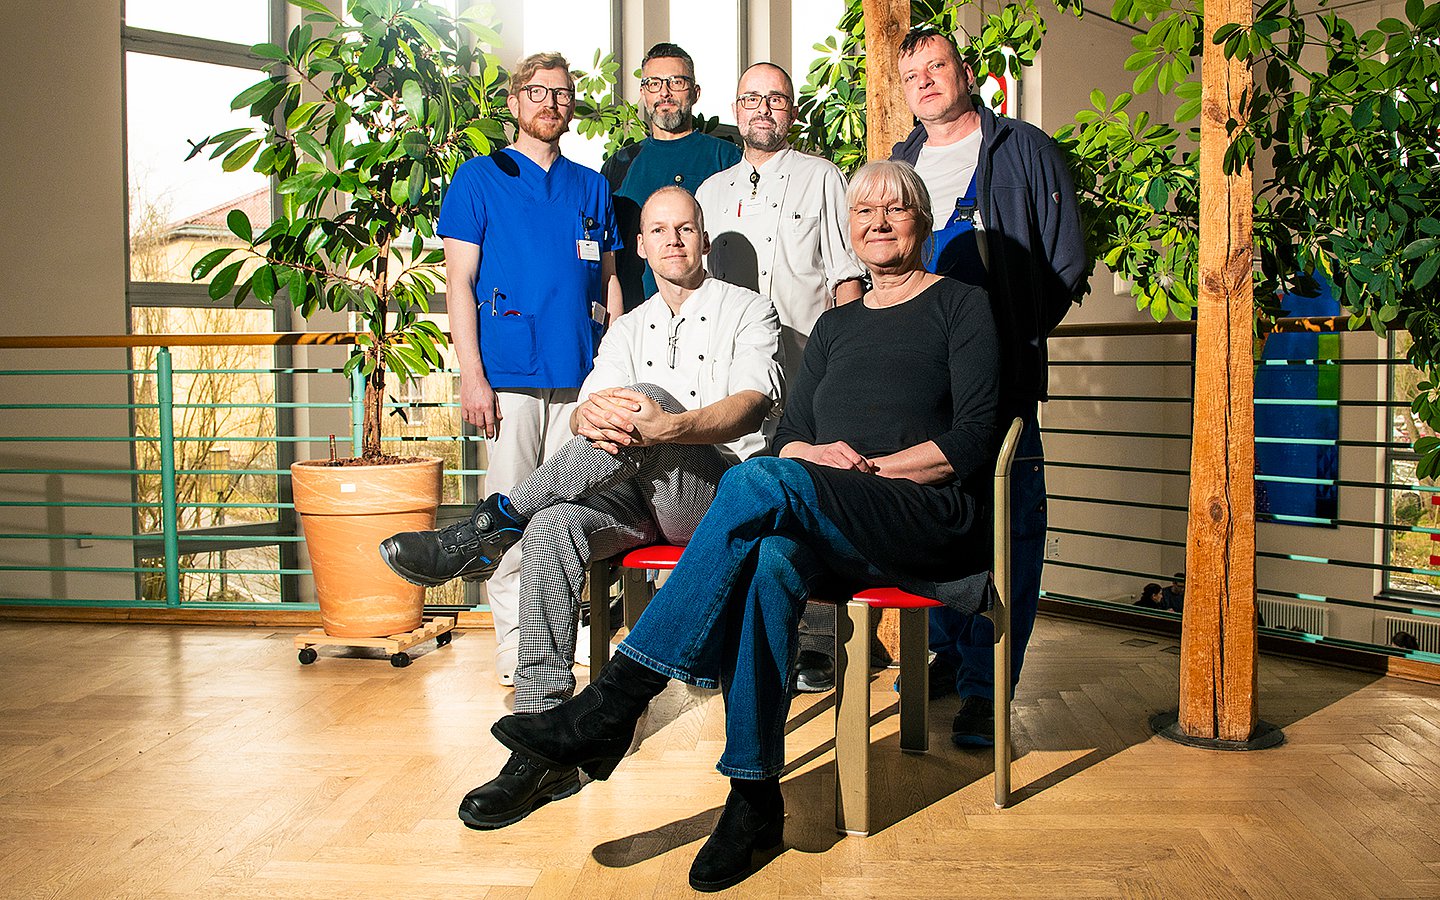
361,122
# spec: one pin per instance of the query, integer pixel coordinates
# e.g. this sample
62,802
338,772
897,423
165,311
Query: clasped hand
614,418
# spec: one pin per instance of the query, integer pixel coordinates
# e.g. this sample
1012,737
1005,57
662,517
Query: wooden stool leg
852,720
600,573
914,680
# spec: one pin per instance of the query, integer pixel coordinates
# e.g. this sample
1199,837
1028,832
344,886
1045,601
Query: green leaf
414,99
309,145
224,280
254,92
241,155
416,185
371,57
1426,272
268,51
364,256
295,286
316,6
415,144
1389,114
302,115
239,225
208,262
1419,247
264,284
1158,195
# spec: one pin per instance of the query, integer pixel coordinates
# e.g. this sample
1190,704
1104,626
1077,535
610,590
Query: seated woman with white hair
884,453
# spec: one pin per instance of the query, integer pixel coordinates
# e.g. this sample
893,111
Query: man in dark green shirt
674,154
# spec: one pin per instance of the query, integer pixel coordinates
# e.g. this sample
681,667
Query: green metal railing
172,542
164,558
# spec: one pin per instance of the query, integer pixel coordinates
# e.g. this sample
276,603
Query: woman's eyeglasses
867,214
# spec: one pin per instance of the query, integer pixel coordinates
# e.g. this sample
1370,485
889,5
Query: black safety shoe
974,724
814,672
469,549
521,788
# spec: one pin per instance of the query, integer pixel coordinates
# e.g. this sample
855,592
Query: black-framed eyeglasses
753,101
678,83
538,93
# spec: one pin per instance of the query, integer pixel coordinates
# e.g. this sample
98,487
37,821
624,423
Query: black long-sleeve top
883,380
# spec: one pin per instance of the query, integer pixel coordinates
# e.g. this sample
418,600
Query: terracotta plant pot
346,511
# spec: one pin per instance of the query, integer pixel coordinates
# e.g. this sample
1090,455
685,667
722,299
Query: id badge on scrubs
752,206
597,312
588,250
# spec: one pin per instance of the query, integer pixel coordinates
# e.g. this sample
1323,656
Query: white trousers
534,424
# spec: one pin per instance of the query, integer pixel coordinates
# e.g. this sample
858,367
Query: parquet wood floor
168,762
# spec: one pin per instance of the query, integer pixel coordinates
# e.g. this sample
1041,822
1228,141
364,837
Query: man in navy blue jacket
1006,219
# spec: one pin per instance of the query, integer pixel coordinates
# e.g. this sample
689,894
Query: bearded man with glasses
674,154
530,240
778,226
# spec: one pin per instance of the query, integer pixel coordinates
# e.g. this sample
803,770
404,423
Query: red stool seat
655,556
894,598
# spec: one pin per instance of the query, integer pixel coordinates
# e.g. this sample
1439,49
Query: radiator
1310,618
1425,630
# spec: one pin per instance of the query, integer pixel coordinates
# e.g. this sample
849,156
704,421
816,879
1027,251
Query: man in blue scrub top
674,154
530,241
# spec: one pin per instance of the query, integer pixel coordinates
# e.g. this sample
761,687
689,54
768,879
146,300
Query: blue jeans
968,642
729,613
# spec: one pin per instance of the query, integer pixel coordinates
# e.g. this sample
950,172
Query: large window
811,22
184,62
178,207
579,30
710,32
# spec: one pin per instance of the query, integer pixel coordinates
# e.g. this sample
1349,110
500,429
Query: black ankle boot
591,730
750,832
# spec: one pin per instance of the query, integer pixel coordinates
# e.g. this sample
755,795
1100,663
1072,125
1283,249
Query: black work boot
591,730
814,672
521,788
750,832
974,724
470,549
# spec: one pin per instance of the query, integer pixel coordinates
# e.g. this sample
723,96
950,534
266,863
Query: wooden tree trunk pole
1218,639
887,121
887,118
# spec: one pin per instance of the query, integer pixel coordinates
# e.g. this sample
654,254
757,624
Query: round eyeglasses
753,101
537,93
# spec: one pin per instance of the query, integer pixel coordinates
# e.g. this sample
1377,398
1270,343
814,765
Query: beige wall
62,247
